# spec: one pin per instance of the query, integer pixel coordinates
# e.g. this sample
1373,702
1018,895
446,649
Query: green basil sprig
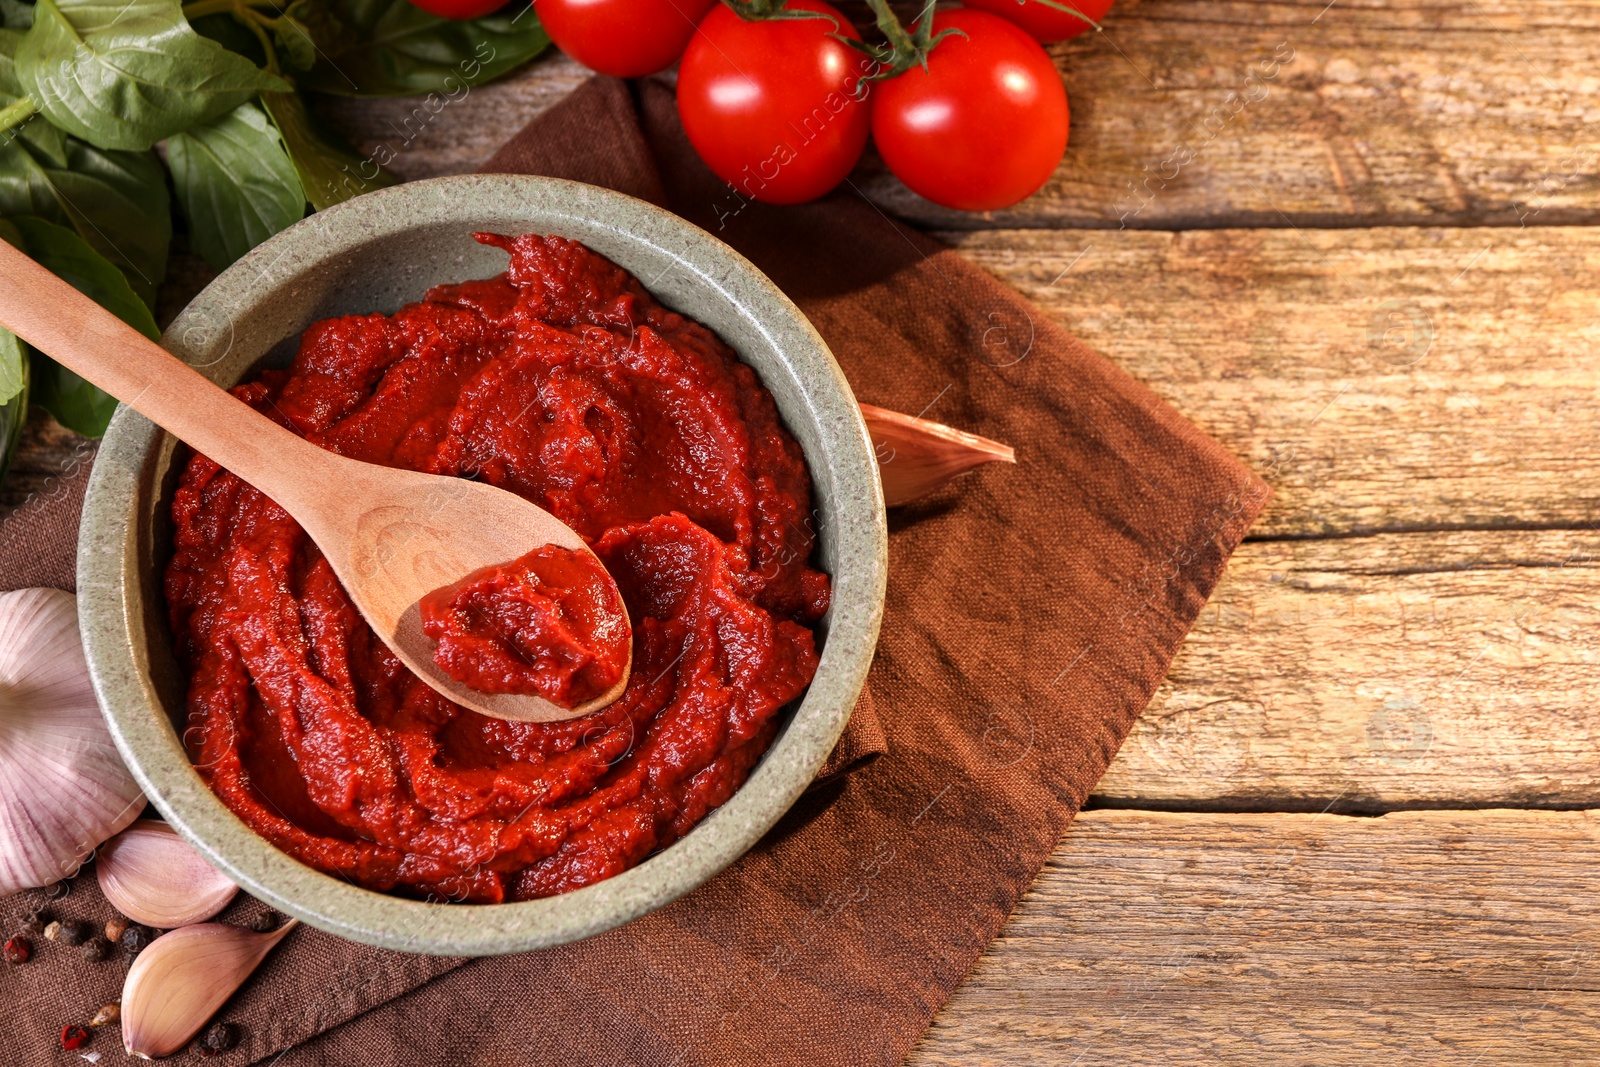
393,48
116,201
87,87
128,73
235,183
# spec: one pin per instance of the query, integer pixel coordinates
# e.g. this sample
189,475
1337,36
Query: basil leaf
124,74
44,137
75,403
295,46
13,366
331,172
116,201
16,15
236,184
231,34
13,377
393,48
15,412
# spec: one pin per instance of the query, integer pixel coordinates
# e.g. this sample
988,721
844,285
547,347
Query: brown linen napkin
1032,611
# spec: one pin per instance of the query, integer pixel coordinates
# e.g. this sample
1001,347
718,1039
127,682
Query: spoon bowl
393,536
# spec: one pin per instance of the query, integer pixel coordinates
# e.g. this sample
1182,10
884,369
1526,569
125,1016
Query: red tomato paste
564,381
549,624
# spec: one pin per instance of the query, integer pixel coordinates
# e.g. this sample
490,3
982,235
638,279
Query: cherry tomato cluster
779,97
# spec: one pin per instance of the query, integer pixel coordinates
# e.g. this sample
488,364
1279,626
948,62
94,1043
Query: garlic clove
916,456
155,877
63,788
180,981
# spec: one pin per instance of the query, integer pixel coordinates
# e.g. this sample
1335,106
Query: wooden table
1351,827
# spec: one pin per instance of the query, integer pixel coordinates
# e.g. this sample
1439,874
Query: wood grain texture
1415,939
1412,623
1404,670
431,136
1213,113
1381,379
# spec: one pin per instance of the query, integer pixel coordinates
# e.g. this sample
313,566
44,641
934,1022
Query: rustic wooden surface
1371,274
1412,940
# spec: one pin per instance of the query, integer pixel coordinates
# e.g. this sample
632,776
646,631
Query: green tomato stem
17,112
893,30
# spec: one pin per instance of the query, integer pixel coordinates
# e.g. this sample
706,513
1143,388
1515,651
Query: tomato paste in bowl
271,729
564,381
550,623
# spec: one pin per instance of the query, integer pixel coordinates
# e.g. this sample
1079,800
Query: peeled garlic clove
155,877
180,981
63,788
916,456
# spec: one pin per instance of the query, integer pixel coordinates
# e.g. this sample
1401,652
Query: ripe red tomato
775,107
1047,24
460,9
623,38
984,125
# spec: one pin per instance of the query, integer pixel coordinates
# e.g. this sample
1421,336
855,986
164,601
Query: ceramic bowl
376,253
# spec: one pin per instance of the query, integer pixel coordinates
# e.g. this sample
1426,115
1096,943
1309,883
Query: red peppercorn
73,1037
18,950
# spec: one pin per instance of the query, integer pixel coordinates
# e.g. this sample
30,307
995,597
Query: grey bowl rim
137,718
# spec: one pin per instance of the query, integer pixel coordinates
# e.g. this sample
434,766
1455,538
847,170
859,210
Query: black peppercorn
95,949
220,1037
18,950
265,923
74,932
135,939
34,922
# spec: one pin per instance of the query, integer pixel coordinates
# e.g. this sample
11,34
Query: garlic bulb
63,788
155,877
181,980
916,456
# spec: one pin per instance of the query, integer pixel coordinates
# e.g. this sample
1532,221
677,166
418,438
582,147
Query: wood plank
1208,113
1417,938
1405,670
1436,112
1384,379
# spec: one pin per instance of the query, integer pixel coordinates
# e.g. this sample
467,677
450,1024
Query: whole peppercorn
107,1015
136,939
115,928
220,1037
265,923
95,949
73,1037
52,932
19,950
34,922
74,932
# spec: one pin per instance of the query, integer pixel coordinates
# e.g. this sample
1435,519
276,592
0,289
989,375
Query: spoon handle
81,335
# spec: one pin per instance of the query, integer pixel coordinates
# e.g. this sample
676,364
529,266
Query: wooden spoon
391,536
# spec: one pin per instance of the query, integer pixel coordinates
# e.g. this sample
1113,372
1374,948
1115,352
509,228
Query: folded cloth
1032,611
